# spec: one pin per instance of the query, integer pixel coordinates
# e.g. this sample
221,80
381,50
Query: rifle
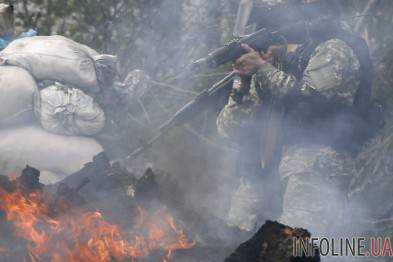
260,40
190,110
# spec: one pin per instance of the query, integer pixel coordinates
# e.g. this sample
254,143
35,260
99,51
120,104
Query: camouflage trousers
313,194
316,186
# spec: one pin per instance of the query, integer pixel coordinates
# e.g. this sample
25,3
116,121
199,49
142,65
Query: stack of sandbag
64,110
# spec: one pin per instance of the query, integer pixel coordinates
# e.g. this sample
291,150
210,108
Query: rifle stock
189,111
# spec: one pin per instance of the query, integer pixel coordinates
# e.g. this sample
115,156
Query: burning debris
104,213
40,225
272,243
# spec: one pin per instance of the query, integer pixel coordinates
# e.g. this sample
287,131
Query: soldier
297,115
7,27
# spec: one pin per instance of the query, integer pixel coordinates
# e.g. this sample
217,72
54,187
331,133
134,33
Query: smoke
160,38
196,158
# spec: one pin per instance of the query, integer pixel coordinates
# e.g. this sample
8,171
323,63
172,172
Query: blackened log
30,180
6,184
104,178
272,243
146,188
67,197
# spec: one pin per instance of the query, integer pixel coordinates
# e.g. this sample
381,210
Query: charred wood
272,243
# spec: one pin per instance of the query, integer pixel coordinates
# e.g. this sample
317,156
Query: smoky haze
160,38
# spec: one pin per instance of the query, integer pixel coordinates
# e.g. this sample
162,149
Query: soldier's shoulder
336,55
335,48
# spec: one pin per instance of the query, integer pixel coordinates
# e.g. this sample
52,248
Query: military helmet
276,13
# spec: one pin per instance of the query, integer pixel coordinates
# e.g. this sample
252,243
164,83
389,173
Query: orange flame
87,236
3,250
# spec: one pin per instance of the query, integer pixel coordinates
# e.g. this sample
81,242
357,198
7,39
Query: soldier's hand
249,63
274,51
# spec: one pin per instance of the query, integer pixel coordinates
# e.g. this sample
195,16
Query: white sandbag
69,111
59,155
18,90
57,58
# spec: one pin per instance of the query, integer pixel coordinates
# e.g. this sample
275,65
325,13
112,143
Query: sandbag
69,111
59,155
60,59
18,90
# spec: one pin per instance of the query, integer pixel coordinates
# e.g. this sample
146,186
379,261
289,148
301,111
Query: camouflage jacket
330,77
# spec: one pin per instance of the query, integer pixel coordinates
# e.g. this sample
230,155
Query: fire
3,250
84,236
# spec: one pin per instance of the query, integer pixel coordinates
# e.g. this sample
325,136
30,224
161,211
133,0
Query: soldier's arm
240,112
332,74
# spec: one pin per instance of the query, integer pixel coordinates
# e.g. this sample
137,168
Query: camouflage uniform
309,163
